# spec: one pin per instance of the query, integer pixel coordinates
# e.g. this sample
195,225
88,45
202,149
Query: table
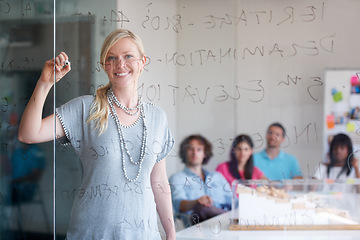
217,228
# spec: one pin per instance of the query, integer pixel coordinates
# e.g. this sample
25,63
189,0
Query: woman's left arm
355,164
162,193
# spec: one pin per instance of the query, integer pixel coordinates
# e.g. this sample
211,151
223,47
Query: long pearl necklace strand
124,149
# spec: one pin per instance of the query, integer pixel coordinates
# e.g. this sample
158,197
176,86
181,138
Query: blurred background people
241,163
342,166
274,162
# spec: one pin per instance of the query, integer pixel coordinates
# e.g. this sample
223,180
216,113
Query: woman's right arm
34,129
187,205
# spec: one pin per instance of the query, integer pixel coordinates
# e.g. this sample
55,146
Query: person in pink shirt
241,164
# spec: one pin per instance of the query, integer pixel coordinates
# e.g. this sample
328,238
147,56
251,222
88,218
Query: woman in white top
343,165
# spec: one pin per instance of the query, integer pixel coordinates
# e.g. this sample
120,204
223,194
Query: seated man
272,161
195,191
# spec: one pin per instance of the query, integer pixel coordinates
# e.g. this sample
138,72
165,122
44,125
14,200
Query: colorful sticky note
330,121
350,127
354,80
337,96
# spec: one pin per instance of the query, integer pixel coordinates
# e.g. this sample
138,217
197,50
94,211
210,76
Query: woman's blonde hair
100,109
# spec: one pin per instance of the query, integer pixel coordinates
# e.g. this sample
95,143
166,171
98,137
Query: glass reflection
26,179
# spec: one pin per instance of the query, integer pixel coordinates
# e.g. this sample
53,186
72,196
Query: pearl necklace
123,147
125,109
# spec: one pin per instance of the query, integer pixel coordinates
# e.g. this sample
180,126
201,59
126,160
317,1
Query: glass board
217,68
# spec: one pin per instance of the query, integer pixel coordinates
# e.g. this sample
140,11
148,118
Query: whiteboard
231,67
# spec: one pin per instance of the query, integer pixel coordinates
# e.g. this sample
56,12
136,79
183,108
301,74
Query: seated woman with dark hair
196,191
241,164
343,165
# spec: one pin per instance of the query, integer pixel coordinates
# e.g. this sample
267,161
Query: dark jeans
202,213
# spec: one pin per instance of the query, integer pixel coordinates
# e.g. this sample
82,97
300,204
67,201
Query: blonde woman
117,120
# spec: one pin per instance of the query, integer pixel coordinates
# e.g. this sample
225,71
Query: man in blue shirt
197,192
272,161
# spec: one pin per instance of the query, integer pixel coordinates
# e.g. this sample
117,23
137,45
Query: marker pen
66,63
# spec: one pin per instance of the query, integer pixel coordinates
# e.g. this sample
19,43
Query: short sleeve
163,141
168,144
296,170
72,116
